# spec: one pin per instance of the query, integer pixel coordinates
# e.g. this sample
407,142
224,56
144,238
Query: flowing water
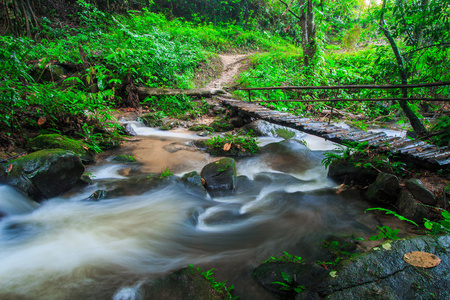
69,248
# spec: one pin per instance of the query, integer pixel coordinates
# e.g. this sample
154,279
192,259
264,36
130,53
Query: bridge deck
419,152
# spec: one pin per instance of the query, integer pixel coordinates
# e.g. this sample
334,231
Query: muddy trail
231,67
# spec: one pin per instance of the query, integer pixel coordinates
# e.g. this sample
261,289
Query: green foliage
442,226
441,129
166,173
391,212
289,283
385,232
285,258
352,37
218,286
238,145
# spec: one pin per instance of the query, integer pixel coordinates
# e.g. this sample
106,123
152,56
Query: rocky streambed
133,228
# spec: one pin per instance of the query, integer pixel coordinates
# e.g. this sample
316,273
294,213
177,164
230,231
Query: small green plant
232,145
442,226
391,212
218,286
289,283
166,173
385,232
285,258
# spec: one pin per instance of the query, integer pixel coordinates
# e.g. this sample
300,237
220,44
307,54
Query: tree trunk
308,26
416,124
145,92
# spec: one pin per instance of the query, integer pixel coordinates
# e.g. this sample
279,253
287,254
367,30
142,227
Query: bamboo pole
340,87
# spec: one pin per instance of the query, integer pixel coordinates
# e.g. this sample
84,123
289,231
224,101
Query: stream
69,248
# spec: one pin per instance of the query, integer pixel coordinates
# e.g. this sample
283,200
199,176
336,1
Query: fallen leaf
10,167
227,147
421,259
42,120
203,181
387,246
333,274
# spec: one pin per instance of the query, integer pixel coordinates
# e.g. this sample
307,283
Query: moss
201,127
57,141
124,158
152,119
285,133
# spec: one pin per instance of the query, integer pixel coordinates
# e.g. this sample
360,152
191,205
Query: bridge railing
348,87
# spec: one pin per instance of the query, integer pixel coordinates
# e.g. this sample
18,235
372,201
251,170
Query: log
146,92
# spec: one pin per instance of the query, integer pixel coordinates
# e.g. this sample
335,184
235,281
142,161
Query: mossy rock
221,125
57,141
201,128
122,158
169,125
220,176
43,174
151,120
284,133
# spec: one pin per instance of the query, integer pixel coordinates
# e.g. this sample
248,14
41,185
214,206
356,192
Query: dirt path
231,65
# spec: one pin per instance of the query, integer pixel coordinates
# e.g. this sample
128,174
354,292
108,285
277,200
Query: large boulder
345,171
43,174
410,208
420,192
57,141
385,189
382,273
220,176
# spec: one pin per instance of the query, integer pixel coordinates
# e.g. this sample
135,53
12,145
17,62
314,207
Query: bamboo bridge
421,153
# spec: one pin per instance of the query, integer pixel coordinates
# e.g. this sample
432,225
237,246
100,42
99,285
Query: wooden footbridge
417,151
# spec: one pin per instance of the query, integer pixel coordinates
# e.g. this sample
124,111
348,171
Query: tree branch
288,9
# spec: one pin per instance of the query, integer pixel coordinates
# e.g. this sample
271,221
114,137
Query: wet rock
174,147
97,195
128,130
57,141
221,125
420,192
43,174
297,276
263,128
237,122
343,171
151,120
186,284
194,180
202,133
410,208
169,125
220,176
385,189
122,158
383,274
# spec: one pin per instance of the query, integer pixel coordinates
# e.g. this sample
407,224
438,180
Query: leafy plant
442,226
232,144
289,283
285,258
391,212
166,173
218,286
385,232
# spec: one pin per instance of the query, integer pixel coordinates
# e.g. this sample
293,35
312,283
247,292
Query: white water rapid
69,248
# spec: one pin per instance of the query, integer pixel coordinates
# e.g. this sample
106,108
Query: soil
232,65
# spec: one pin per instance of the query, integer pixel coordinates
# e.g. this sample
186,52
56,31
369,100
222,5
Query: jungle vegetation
66,64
